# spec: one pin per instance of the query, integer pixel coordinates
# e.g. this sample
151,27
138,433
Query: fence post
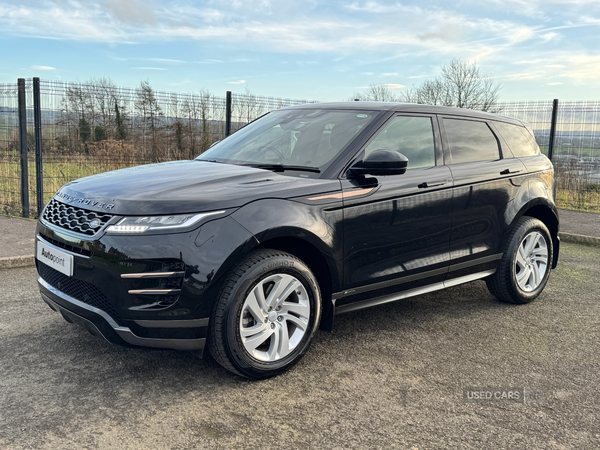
23,146
39,168
228,115
552,129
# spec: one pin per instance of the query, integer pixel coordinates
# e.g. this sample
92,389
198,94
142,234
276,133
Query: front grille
74,218
80,290
65,246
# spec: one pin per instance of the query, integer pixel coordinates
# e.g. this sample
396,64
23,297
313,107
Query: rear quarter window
470,141
518,138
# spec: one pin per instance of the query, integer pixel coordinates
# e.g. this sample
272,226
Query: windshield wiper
210,160
282,167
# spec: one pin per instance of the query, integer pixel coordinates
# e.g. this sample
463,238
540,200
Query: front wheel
266,314
525,266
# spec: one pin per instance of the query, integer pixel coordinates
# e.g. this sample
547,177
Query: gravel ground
387,377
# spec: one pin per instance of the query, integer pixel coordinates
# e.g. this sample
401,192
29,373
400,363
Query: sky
309,49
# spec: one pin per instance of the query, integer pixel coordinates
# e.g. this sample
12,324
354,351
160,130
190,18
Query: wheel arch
547,213
318,265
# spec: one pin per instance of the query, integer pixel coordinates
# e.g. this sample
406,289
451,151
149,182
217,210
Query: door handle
508,171
429,184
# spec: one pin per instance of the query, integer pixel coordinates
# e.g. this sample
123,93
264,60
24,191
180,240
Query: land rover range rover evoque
305,213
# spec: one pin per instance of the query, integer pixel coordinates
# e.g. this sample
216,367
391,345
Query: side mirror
381,162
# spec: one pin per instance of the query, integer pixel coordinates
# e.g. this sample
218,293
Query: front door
397,227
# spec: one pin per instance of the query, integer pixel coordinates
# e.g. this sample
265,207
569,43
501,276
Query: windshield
293,139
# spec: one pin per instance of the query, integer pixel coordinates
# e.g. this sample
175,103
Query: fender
541,206
318,225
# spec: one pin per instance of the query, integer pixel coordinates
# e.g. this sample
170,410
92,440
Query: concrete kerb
572,238
14,262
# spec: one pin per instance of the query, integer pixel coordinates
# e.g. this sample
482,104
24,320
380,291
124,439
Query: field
56,173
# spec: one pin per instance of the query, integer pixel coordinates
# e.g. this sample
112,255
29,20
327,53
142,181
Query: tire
525,266
266,314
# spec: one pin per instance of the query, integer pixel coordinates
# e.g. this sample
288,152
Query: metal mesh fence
10,159
93,128
576,150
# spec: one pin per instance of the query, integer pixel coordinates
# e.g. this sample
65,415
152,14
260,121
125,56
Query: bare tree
376,93
205,101
150,112
461,84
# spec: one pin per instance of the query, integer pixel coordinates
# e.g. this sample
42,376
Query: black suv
305,213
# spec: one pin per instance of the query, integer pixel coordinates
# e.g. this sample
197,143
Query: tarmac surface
17,236
388,377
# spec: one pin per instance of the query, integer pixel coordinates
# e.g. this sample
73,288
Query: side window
470,141
411,136
518,139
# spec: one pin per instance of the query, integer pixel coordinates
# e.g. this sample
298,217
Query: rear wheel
266,314
525,267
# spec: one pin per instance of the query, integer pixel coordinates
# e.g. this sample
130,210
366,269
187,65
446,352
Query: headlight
158,223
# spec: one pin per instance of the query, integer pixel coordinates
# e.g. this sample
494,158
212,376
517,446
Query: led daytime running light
127,228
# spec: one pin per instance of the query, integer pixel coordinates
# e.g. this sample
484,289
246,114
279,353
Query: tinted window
518,139
411,136
470,141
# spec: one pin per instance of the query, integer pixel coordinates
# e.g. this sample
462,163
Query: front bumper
144,291
99,323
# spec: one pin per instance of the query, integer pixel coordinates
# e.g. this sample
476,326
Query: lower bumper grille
80,290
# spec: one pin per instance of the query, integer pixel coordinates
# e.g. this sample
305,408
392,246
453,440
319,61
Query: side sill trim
417,276
412,292
393,282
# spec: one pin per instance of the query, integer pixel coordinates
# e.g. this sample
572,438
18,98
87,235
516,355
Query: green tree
85,131
120,124
99,133
179,138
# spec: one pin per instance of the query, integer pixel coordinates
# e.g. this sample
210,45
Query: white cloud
237,82
43,68
394,86
289,27
131,11
584,67
554,84
550,36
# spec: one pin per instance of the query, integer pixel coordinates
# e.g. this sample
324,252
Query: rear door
485,184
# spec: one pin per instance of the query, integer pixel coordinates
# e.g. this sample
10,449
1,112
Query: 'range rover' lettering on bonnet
66,198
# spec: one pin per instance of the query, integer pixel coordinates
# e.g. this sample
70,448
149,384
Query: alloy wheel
274,317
